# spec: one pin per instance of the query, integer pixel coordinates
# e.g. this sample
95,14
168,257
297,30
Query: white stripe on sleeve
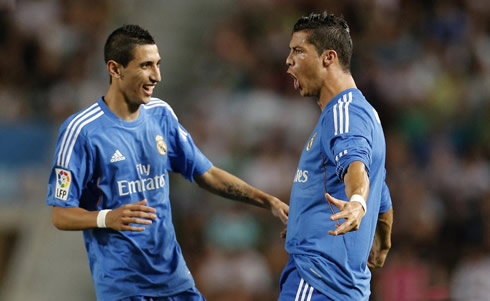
341,117
72,131
160,103
183,134
67,161
68,129
310,294
348,101
299,289
341,114
304,292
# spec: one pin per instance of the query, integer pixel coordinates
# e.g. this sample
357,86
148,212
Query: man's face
140,76
305,65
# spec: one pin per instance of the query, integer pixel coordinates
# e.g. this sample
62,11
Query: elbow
56,222
204,180
56,219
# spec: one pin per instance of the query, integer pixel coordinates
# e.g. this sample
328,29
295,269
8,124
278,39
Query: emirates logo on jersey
310,143
161,145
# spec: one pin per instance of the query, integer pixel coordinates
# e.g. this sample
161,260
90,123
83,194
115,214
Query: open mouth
296,84
148,89
295,81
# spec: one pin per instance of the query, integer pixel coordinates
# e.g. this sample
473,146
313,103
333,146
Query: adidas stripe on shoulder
156,102
73,130
341,114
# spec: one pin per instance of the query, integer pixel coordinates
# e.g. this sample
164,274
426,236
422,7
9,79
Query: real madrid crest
161,145
310,143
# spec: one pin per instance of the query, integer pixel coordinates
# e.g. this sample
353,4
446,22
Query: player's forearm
227,185
74,218
356,180
383,228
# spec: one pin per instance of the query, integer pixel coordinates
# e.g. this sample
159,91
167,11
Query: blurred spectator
470,279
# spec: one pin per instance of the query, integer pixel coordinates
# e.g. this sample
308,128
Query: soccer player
110,179
339,200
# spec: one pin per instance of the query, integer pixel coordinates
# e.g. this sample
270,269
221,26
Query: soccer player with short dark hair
110,179
329,240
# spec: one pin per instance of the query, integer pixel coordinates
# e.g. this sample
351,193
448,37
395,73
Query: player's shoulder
346,99
84,119
157,106
361,112
349,108
351,101
360,100
354,98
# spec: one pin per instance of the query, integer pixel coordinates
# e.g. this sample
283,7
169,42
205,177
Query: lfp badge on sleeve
63,182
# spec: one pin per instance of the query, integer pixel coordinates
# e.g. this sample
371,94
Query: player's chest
312,154
310,163
124,152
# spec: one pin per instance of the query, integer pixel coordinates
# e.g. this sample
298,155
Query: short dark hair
121,42
328,31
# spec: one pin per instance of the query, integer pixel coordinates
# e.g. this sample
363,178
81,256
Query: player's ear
328,57
114,69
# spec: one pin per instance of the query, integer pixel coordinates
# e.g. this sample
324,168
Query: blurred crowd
424,65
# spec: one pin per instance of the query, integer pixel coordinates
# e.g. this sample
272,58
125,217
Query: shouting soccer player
110,179
339,200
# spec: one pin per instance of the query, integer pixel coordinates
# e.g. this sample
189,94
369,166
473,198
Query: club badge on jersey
63,182
161,145
310,144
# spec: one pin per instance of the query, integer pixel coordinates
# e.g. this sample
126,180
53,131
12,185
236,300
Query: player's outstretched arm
356,183
382,240
118,219
227,185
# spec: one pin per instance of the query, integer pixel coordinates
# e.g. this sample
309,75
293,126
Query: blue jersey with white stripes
103,162
349,130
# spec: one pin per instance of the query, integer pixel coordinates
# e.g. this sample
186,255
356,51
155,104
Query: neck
118,105
333,85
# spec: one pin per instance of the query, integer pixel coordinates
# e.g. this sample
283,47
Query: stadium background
425,66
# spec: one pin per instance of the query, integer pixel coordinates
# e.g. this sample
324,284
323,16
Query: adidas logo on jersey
117,157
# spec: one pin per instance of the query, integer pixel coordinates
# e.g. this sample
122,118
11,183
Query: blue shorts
295,288
192,294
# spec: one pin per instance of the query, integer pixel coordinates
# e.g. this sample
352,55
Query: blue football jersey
103,162
349,130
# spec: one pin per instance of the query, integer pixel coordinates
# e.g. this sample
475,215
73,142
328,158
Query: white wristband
358,198
101,218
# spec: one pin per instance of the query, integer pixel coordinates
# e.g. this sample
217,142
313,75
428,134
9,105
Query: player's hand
120,219
279,209
378,253
382,240
284,233
352,212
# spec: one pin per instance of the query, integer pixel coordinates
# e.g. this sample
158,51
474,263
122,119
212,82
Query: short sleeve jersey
349,130
103,162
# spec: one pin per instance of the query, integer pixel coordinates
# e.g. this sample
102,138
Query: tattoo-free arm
356,181
382,240
121,219
73,218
